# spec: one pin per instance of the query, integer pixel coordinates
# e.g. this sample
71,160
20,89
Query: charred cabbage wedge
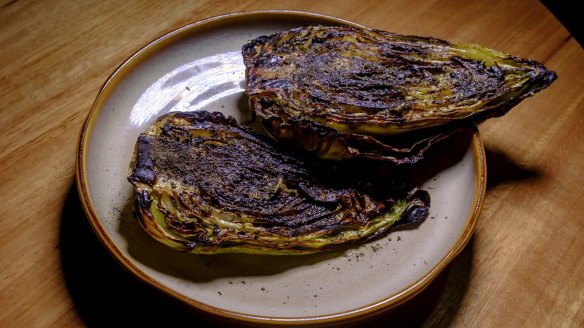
205,184
345,92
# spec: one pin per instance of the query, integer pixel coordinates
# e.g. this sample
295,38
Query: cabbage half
344,92
206,185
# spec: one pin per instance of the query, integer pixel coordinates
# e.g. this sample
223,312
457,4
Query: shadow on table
567,13
104,293
501,169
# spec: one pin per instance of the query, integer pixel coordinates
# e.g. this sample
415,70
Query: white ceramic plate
200,67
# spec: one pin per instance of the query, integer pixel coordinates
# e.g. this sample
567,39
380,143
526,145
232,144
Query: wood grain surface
524,266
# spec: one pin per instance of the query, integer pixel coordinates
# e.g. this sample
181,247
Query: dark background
569,15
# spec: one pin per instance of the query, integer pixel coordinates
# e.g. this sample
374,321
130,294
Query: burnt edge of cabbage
315,186
328,143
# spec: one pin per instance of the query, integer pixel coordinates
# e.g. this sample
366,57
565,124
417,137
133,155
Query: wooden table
524,267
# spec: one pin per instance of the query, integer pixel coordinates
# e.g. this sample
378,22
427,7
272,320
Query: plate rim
382,305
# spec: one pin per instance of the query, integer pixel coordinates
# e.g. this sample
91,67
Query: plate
199,67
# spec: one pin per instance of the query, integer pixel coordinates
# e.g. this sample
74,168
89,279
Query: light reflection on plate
191,86
199,67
